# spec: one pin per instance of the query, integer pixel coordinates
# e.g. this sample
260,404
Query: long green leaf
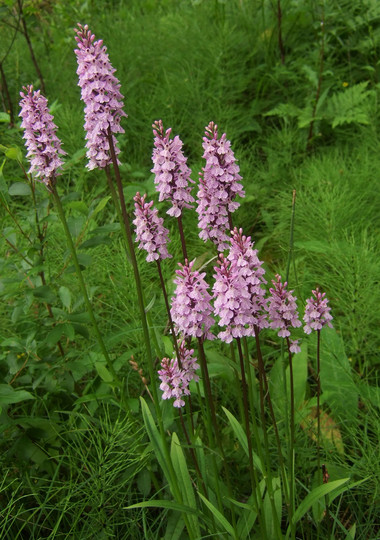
184,482
226,525
156,441
316,494
170,505
242,438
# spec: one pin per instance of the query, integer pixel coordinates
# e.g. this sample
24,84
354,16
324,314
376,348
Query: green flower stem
252,403
264,386
82,283
140,298
182,236
120,218
318,407
211,423
291,446
165,294
252,471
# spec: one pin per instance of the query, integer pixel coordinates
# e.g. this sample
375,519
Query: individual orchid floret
317,313
100,91
282,310
232,303
191,309
175,381
245,259
41,141
218,188
150,232
172,175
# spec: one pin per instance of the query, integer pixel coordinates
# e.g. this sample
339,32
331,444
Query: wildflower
232,303
191,309
175,381
100,91
41,140
282,310
150,232
317,313
218,187
172,175
245,259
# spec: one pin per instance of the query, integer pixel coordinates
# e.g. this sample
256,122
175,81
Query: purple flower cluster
232,301
100,91
218,187
246,262
172,175
191,309
175,381
282,310
41,140
150,232
317,313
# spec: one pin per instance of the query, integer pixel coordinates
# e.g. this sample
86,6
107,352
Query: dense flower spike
172,175
41,141
191,309
100,91
218,187
282,310
317,313
150,232
232,303
175,381
245,259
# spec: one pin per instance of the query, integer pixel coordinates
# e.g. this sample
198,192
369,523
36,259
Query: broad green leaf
14,153
101,204
75,225
247,518
95,241
225,524
351,533
65,296
19,189
9,395
5,118
103,372
270,516
174,527
336,376
316,494
242,438
45,294
79,206
276,382
184,482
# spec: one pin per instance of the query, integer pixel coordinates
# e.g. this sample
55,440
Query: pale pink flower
150,231
191,309
100,91
172,175
41,141
317,313
218,188
175,381
282,310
